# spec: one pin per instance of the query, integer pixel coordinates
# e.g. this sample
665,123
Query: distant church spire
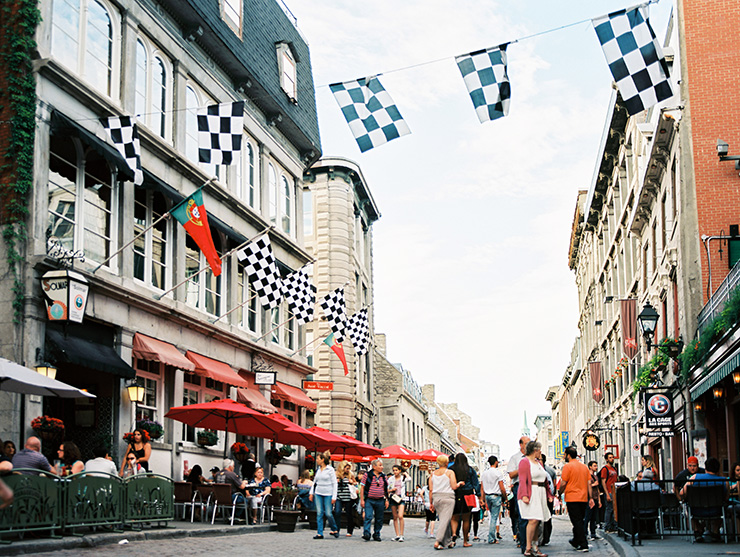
525,429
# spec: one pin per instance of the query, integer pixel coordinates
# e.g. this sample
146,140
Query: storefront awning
85,353
281,391
254,399
153,350
218,371
719,373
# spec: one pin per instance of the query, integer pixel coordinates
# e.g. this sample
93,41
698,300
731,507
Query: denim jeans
374,509
514,511
592,519
494,508
323,509
349,507
609,523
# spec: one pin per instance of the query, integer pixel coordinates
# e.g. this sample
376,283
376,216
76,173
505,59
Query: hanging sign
66,295
265,377
591,441
319,385
658,409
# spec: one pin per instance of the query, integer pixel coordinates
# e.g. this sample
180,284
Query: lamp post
648,320
376,443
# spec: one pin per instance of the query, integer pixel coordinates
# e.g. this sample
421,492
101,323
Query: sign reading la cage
658,409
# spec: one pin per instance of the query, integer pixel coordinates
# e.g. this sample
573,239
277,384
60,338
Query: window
287,68
200,389
82,199
289,329
149,376
193,101
153,97
307,214
85,37
248,316
272,193
151,253
247,187
288,204
231,12
283,326
204,291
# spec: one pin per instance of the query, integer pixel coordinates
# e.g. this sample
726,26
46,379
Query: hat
215,469
693,460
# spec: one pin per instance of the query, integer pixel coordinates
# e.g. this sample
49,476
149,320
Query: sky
472,286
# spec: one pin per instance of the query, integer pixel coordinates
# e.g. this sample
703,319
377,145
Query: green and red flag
338,349
191,213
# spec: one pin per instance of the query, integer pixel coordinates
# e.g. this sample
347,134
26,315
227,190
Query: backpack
369,475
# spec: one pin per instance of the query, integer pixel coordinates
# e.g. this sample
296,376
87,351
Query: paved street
302,543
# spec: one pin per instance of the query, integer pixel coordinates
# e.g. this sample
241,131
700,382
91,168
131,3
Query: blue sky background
472,285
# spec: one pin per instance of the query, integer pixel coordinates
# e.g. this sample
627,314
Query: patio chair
202,500
183,496
674,516
646,510
709,501
223,499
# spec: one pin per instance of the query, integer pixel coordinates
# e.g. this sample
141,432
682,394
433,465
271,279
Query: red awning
281,391
153,350
254,399
218,371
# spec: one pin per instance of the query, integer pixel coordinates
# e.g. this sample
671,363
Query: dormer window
231,12
287,68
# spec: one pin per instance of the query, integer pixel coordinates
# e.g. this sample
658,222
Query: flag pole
232,310
204,269
148,228
292,316
314,341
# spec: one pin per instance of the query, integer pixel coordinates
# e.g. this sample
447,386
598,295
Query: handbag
352,492
470,500
396,499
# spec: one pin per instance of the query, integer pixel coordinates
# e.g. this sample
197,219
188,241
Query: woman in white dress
534,491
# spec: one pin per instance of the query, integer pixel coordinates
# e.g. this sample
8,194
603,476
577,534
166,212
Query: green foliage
647,373
19,21
207,437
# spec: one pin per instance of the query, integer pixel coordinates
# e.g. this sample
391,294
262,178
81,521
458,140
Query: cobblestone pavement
301,543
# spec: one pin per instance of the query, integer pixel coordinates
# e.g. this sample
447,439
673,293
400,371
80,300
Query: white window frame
80,65
204,393
308,215
247,177
272,195
287,66
142,376
147,114
246,292
287,207
198,286
235,6
149,242
190,149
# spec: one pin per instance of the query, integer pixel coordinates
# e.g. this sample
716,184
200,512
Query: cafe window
149,376
198,389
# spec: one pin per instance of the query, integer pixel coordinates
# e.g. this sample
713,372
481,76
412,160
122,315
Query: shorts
431,515
392,503
460,505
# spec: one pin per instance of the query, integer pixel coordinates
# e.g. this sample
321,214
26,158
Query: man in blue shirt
699,516
31,457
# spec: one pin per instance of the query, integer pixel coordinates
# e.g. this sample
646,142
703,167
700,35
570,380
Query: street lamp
47,370
376,443
648,320
135,391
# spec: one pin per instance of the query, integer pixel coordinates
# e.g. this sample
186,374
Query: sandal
437,546
452,544
467,544
538,553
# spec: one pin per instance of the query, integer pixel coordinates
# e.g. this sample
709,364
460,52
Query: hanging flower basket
48,428
207,438
154,429
309,463
286,451
240,451
273,456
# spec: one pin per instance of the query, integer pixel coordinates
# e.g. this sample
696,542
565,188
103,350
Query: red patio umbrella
293,434
429,454
397,451
330,441
227,415
358,449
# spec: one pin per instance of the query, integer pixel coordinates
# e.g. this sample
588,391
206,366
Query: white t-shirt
513,465
490,479
101,464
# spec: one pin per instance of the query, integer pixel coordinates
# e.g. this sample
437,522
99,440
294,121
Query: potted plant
273,456
154,429
671,346
285,519
207,437
240,451
47,427
286,451
309,463
129,437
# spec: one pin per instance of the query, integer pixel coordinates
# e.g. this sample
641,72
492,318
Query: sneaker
395,538
582,549
366,537
400,538
318,537
595,537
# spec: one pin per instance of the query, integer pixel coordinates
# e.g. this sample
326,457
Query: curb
21,547
620,546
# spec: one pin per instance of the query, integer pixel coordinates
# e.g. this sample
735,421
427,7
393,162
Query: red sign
319,385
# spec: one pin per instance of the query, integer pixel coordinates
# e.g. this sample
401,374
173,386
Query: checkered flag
358,331
300,294
125,136
634,57
333,306
370,112
220,128
260,265
484,73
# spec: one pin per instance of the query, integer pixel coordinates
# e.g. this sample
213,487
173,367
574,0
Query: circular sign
659,404
57,310
406,464
591,442
79,301
636,448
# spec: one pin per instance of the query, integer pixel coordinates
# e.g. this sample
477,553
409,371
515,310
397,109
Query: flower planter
48,435
241,457
285,520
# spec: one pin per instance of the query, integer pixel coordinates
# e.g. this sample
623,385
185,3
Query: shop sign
658,409
66,294
265,377
319,385
591,441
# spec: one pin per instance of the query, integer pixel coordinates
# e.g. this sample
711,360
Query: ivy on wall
18,120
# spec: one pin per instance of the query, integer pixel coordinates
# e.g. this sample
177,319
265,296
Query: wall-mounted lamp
698,406
376,443
718,393
47,370
135,391
723,148
598,322
736,378
648,320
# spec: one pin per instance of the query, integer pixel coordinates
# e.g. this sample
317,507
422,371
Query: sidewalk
670,545
176,529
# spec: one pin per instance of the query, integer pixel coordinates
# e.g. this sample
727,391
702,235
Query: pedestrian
431,516
575,480
397,496
464,496
532,496
304,491
345,482
324,495
513,469
442,486
609,476
475,518
30,457
592,512
547,527
648,463
493,495
373,499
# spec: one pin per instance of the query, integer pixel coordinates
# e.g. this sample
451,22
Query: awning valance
254,399
218,371
719,373
151,349
281,391
85,353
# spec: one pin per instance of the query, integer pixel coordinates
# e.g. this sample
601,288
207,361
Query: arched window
153,93
204,291
252,187
193,101
272,194
85,37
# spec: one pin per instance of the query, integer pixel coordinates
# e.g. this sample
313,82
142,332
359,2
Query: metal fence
94,499
717,301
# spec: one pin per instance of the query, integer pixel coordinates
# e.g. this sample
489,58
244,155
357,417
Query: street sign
591,441
319,385
636,448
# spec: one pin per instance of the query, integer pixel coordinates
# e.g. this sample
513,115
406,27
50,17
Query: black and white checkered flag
634,57
298,291
333,306
260,265
484,73
125,136
358,331
220,128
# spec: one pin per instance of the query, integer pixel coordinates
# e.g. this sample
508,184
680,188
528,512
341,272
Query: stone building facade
161,60
339,212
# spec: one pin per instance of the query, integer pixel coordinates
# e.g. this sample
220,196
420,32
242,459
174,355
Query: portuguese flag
338,349
191,213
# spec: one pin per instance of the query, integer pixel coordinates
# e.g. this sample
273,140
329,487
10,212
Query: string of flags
628,41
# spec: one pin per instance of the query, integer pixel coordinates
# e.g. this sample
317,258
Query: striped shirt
343,493
376,490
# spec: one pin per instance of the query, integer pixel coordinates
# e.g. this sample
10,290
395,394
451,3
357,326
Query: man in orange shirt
574,481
